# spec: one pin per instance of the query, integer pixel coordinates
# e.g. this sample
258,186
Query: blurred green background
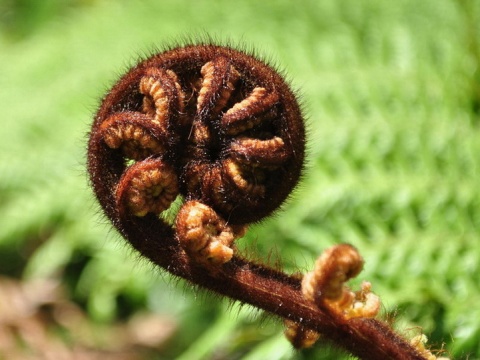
391,90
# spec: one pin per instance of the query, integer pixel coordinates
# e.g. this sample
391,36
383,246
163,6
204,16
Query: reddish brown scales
131,133
163,98
149,186
251,111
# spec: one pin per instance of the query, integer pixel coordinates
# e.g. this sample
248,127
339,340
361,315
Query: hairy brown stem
267,289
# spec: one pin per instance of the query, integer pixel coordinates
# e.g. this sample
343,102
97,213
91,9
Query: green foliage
391,94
